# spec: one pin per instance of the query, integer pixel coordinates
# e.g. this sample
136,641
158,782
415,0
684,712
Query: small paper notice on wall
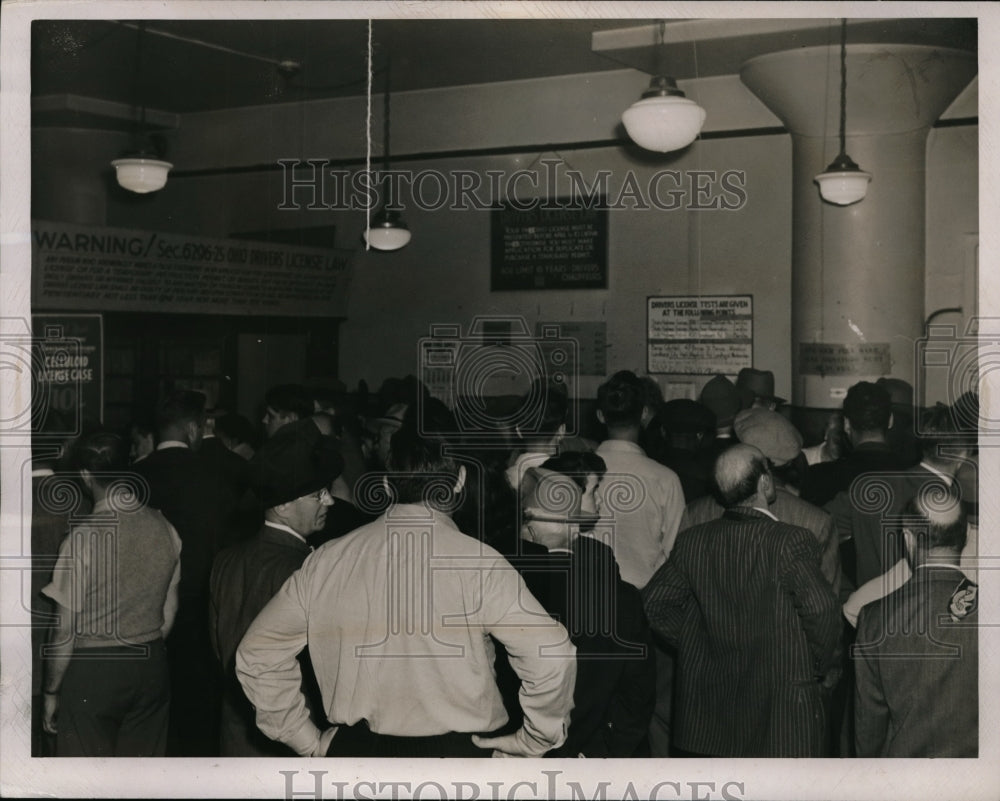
836,358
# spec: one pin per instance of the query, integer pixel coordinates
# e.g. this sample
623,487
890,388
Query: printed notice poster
68,367
117,269
562,247
699,334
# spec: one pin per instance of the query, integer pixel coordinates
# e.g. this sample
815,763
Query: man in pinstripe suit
754,622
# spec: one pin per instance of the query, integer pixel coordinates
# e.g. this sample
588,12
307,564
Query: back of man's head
868,409
180,416
102,453
938,429
290,399
420,467
552,402
737,473
937,519
621,400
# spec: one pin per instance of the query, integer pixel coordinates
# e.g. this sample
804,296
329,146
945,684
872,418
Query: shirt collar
283,527
622,446
171,443
765,512
943,476
40,472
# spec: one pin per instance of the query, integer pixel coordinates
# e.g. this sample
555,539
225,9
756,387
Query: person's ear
561,431
910,541
460,481
600,417
765,483
891,420
87,478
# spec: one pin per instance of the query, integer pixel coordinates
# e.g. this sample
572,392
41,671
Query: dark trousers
114,702
195,684
359,741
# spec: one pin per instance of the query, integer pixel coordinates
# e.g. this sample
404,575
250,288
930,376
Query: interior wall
442,276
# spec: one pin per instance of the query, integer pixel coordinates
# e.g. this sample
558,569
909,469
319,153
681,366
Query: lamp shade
664,122
141,175
843,182
387,232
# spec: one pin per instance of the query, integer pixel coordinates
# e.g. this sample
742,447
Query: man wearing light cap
292,474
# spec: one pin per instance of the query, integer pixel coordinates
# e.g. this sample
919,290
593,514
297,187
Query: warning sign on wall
117,269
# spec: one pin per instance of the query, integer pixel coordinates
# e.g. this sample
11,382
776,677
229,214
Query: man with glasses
292,474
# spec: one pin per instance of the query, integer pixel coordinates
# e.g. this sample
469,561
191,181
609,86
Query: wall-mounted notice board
699,334
555,245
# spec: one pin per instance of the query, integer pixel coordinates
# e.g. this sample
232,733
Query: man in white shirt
398,617
643,502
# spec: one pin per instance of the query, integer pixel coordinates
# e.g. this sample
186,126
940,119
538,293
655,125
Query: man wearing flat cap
292,474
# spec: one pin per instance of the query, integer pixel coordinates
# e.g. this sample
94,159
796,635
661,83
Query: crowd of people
359,576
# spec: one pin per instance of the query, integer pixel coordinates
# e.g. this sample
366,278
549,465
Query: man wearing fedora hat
292,474
722,397
756,387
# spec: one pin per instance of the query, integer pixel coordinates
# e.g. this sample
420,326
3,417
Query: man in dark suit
189,494
577,581
754,621
863,515
292,474
867,418
917,652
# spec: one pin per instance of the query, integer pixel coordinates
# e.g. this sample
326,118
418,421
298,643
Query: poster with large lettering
69,376
700,334
118,269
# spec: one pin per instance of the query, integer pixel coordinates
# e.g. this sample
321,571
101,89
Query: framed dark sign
555,245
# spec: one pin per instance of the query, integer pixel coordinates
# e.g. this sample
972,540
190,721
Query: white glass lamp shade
141,175
843,187
387,232
663,123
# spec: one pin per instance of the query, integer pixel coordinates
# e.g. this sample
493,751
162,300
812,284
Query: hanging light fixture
386,230
141,170
843,182
663,119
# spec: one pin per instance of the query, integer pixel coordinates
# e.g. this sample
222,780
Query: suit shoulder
797,510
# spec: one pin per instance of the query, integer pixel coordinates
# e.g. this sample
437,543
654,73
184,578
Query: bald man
754,622
917,651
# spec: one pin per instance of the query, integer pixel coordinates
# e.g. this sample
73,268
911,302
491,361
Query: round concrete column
858,271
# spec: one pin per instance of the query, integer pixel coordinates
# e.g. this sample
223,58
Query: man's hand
505,747
50,709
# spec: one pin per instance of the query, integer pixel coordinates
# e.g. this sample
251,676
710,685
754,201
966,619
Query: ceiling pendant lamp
141,170
386,230
843,182
663,119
